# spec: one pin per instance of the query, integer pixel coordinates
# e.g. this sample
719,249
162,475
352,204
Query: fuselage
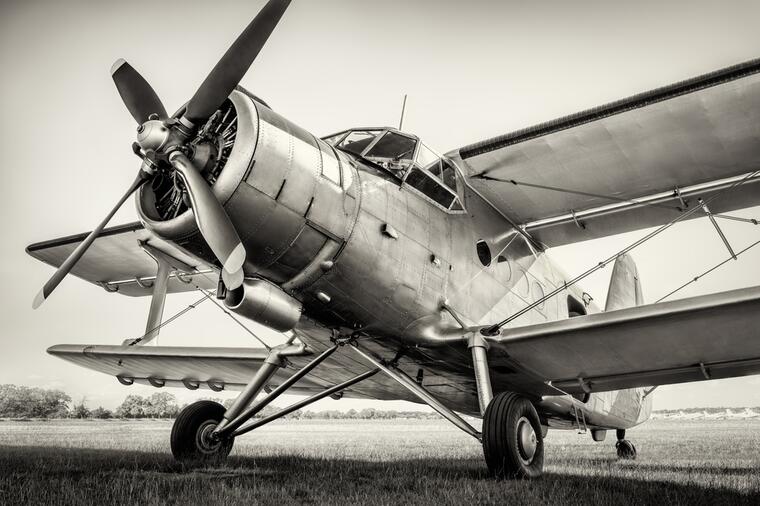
367,252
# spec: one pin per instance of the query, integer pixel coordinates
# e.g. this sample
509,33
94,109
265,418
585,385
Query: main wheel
512,440
625,450
191,439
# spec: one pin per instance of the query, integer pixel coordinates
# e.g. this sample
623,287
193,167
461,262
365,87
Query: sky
472,70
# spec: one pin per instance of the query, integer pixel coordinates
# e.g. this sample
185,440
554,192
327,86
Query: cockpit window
426,156
394,152
445,172
449,175
393,146
407,158
430,187
334,139
358,140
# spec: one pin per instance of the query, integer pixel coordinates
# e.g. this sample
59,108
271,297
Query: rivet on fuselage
326,265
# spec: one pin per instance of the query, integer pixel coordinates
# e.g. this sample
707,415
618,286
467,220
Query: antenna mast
403,111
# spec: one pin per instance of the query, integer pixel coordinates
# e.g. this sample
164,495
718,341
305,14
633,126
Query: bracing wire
170,319
241,324
577,192
207,295
708,271
494,329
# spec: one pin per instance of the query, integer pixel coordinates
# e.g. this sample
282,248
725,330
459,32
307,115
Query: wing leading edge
631,164
709,337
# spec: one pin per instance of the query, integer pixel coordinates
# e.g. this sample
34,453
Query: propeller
80,250
214,224
163,142
139,97
231,68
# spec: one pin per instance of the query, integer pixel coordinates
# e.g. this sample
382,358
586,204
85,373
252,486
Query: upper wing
708,337
620,167
116,261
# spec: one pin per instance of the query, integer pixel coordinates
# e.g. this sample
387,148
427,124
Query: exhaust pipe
265,303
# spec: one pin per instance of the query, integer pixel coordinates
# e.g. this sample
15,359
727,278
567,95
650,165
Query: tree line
33,402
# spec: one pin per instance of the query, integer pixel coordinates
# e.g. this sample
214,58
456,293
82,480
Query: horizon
342,409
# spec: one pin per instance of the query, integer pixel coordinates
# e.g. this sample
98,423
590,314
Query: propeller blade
139,97
213,222
75,255
235,63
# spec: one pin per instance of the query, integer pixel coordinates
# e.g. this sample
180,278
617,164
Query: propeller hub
152,135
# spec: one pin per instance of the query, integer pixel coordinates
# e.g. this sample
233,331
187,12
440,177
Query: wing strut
495,329
717,228
405,381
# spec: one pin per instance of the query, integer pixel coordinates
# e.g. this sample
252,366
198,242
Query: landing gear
191,438
625,449
513,442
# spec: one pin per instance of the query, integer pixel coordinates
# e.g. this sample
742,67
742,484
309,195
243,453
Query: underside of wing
190,367
708,337
222,369
118,261
631,164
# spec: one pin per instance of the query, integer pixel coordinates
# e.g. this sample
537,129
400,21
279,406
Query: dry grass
360,462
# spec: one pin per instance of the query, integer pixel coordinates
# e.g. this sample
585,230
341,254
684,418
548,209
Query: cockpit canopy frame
408,159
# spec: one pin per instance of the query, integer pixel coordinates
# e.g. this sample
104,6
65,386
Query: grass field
373,462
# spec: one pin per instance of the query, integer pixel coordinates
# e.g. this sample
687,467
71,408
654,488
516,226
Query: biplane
399,273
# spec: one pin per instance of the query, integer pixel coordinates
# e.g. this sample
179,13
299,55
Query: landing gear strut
625,449
513,443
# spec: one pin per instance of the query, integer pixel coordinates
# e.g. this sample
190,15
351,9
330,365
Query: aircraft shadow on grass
400,476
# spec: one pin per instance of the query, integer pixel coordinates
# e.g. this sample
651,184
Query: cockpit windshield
357,141
390,149
407,158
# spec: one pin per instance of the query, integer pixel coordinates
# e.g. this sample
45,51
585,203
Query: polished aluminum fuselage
371,255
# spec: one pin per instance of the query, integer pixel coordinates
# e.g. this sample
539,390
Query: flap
116,259
616,168
708,337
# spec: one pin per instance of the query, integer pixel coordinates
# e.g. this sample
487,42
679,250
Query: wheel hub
527,441
205,441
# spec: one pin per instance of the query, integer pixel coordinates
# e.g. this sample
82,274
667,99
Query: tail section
624,292
625,286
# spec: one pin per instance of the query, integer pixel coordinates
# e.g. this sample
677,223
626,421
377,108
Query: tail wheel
512,440
625,450
191,438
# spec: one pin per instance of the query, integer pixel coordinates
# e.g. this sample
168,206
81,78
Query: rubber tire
184,437
625,450
500,445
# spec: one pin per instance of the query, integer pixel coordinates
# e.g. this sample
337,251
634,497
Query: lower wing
708,337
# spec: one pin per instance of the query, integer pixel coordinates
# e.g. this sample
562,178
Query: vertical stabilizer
625,286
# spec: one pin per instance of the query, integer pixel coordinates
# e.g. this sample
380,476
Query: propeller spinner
163,139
